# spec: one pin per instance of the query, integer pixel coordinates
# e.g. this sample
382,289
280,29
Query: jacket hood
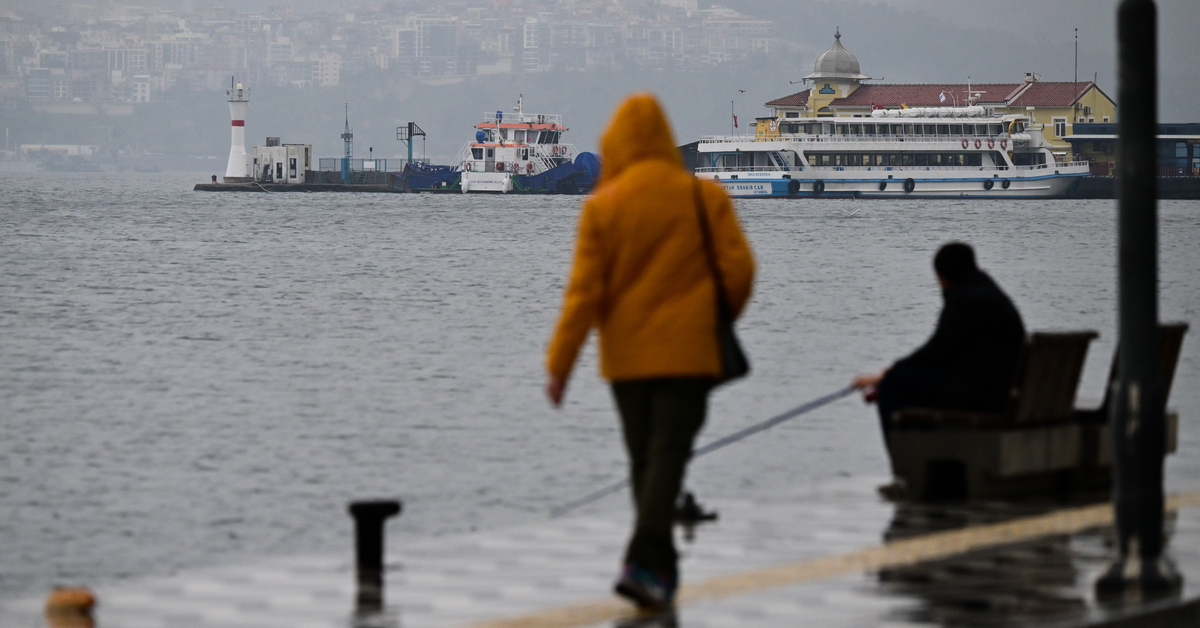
638,131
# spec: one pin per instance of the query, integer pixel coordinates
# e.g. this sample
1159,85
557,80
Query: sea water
191,378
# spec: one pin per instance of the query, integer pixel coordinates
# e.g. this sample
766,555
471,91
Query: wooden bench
1095,471
1032,448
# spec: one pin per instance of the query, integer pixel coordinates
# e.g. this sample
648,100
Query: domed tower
835,75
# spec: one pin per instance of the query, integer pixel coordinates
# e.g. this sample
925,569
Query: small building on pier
281,163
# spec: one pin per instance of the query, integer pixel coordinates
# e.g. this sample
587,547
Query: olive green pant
660,419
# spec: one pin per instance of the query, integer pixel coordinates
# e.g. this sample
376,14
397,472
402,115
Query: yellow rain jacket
639,272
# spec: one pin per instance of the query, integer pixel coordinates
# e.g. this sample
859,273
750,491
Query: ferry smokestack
237,142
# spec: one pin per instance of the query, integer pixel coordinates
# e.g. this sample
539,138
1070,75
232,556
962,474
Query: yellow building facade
838,90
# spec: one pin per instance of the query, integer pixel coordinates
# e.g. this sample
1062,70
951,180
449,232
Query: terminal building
839,89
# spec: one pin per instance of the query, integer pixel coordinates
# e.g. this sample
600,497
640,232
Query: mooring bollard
369,517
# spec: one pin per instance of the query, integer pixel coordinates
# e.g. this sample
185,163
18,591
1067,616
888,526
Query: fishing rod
711,447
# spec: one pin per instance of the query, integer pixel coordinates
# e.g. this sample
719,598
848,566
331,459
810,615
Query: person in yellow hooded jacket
640,275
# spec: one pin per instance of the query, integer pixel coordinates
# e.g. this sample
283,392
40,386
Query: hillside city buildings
108,57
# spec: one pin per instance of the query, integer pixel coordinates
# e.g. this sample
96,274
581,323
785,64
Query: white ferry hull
844,184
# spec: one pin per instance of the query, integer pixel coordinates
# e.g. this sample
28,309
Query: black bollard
1136,422
369,517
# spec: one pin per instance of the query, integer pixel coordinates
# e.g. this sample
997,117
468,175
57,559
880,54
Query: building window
1091,119
1060,126
793,114
1105,119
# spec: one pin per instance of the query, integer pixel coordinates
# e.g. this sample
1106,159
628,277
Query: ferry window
956,129
814,129
525,154
476,153
906,159
841,129
292,167
884,129
503,134
995,129
1060,127
968,129
491,152
997,159
921,159
856,129
943,129
519,135
930,129
908,129
893,159
974,159
839,159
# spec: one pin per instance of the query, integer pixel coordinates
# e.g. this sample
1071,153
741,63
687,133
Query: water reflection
1042,580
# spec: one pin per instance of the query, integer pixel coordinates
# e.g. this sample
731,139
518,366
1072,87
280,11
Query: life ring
964,142
988,184
818,187
1112,165
499,166
978,143
883,185
529,168
1003,143
991,143
793,186
467,166
1004,183
909,185
556,149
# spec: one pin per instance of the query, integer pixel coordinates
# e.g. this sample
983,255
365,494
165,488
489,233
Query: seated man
969,362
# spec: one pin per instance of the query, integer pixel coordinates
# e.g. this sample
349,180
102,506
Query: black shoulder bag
733,360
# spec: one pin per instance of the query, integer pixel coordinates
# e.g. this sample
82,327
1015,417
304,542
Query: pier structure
236,169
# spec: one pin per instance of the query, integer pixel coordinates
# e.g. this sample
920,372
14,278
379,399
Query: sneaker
646,588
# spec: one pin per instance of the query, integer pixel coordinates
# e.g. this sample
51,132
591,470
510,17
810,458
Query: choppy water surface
192,378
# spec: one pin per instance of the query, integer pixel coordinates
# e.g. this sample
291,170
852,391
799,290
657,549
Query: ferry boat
921,152
514,152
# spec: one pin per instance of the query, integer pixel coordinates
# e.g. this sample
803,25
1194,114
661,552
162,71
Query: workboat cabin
515,143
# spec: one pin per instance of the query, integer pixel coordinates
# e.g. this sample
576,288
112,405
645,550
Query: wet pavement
835,559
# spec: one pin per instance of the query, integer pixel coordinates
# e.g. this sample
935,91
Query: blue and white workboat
924,152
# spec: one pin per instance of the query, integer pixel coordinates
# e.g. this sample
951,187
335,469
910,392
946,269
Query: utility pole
1075,83
1136,421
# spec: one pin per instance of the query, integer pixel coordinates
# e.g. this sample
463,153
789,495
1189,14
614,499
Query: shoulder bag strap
706,235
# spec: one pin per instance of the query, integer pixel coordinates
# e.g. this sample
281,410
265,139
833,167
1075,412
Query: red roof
926,95
1037,94
799,99
1051,94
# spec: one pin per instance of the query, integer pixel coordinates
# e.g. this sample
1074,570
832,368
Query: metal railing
505,117
334,164
833,139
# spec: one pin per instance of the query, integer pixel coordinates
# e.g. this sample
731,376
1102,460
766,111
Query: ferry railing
822,139
513,117
747,169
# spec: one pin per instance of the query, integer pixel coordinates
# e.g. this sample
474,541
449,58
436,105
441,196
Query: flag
942,97
735,121
904,105
875,107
